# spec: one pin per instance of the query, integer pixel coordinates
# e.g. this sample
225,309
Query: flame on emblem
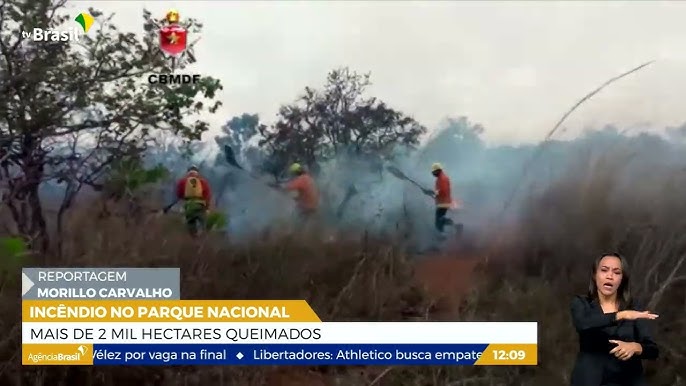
172,16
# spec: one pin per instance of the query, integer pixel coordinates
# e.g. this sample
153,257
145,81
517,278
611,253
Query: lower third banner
298,354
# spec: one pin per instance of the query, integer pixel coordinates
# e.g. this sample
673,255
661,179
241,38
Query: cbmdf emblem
173,37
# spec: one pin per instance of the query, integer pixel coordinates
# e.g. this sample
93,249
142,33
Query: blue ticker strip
286,354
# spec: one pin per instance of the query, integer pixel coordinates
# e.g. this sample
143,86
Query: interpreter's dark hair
624,290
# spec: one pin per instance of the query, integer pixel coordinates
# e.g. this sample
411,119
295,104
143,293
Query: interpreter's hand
633,315
625,350
429,192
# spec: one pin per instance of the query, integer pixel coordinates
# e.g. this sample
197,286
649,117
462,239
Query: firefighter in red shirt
443,198
195,191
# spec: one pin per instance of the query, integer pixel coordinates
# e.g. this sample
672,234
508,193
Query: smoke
631,166
483,177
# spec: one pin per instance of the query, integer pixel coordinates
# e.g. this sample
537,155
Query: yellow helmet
295,168
436,166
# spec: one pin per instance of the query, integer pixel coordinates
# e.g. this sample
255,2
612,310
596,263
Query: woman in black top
613,338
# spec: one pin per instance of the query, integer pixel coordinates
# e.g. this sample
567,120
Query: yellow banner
509,354
167,311
56,354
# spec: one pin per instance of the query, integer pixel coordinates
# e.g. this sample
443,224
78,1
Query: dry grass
531,275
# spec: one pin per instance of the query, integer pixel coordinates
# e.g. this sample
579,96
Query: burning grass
530,275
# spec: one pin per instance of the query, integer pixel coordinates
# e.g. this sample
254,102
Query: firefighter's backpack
193,188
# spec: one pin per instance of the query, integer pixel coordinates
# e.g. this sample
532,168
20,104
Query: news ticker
134,317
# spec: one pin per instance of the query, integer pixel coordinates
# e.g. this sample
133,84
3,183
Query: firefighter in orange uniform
303,184
195,191
443,198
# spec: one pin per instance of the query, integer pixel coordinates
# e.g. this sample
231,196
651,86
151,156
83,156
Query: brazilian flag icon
85,20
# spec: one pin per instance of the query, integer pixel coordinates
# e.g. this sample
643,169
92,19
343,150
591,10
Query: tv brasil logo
84,19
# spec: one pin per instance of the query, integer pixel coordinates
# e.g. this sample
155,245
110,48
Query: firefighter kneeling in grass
444,200
195,192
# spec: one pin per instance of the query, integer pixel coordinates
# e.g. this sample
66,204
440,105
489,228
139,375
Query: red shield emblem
173,39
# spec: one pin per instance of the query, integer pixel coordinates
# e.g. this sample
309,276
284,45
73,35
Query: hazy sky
514,67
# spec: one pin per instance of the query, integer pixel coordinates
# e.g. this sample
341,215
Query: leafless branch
657,296
552,132
380,376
